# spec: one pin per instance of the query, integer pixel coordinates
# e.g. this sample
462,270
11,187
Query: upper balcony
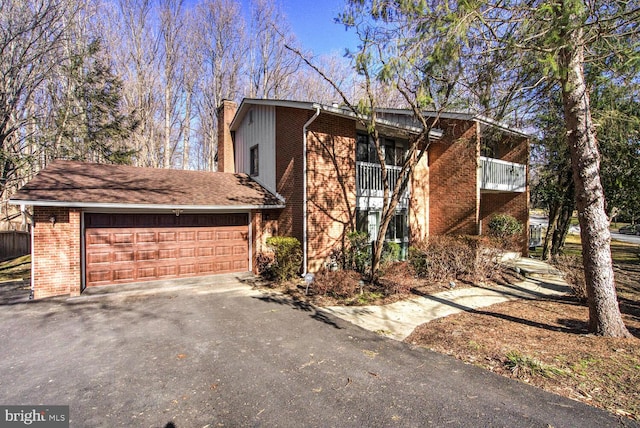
501,176
370,187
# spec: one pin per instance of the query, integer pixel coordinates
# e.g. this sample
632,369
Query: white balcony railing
370,187
502,176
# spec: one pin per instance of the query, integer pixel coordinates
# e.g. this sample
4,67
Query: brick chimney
226,159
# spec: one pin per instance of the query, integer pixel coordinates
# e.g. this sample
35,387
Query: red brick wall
515,204
512,149
453,185
264,224
419,201
226,159
56,252
289,123
331,172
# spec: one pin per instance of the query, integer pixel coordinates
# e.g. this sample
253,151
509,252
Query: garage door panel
187,236
239,265
145,254
122,238
99,239
148,272
184,253
99,277
156,246
167,253
124,256
206,251
167,236
206,235
124,274
95,257
142,237
164,271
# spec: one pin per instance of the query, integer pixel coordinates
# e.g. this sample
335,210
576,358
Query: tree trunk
562,227
554,211
187,131
604,314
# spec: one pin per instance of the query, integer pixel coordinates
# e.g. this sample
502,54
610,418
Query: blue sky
312,23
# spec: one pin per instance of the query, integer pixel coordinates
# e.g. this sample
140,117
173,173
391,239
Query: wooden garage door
123,248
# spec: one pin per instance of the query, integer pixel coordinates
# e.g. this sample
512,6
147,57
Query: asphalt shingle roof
87,184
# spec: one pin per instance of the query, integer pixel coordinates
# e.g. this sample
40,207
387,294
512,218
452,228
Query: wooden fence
14,244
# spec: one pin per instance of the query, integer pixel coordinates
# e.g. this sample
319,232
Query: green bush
287,260
390,252
506,231
504,225
358,255
419,260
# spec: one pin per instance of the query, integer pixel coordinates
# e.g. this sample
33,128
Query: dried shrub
340,283
397,278
443,258
573,273
263,264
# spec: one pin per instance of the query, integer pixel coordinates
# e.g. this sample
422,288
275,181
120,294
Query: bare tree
32,33
171,18
272,68
133,41
220,35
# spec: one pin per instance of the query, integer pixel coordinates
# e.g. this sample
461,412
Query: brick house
320,162
285,168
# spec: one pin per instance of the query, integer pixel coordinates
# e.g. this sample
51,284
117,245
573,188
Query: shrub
573,273
504,225
443,258
341,283
390,252
358,255
506,230
287,257
264,261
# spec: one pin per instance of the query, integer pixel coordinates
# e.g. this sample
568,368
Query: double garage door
122,248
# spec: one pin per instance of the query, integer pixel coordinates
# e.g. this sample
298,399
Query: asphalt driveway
220,354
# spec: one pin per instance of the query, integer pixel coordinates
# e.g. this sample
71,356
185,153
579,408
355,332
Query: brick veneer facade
289,124
419,201
331,188
453,180
445,194
226,159
56,252
514,149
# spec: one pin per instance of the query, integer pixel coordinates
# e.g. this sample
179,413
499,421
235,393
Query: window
365,151
397,231
394,151
254,161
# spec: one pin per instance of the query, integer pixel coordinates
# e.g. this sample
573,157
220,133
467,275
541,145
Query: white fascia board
248,102
99,205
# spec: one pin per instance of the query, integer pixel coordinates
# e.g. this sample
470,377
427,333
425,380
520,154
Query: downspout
304,188
26,215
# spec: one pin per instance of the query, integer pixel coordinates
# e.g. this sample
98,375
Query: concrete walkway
399,319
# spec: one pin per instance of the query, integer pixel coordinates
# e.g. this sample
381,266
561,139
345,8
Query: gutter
304,188
109,205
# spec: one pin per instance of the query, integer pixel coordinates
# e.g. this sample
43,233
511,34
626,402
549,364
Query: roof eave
107,205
